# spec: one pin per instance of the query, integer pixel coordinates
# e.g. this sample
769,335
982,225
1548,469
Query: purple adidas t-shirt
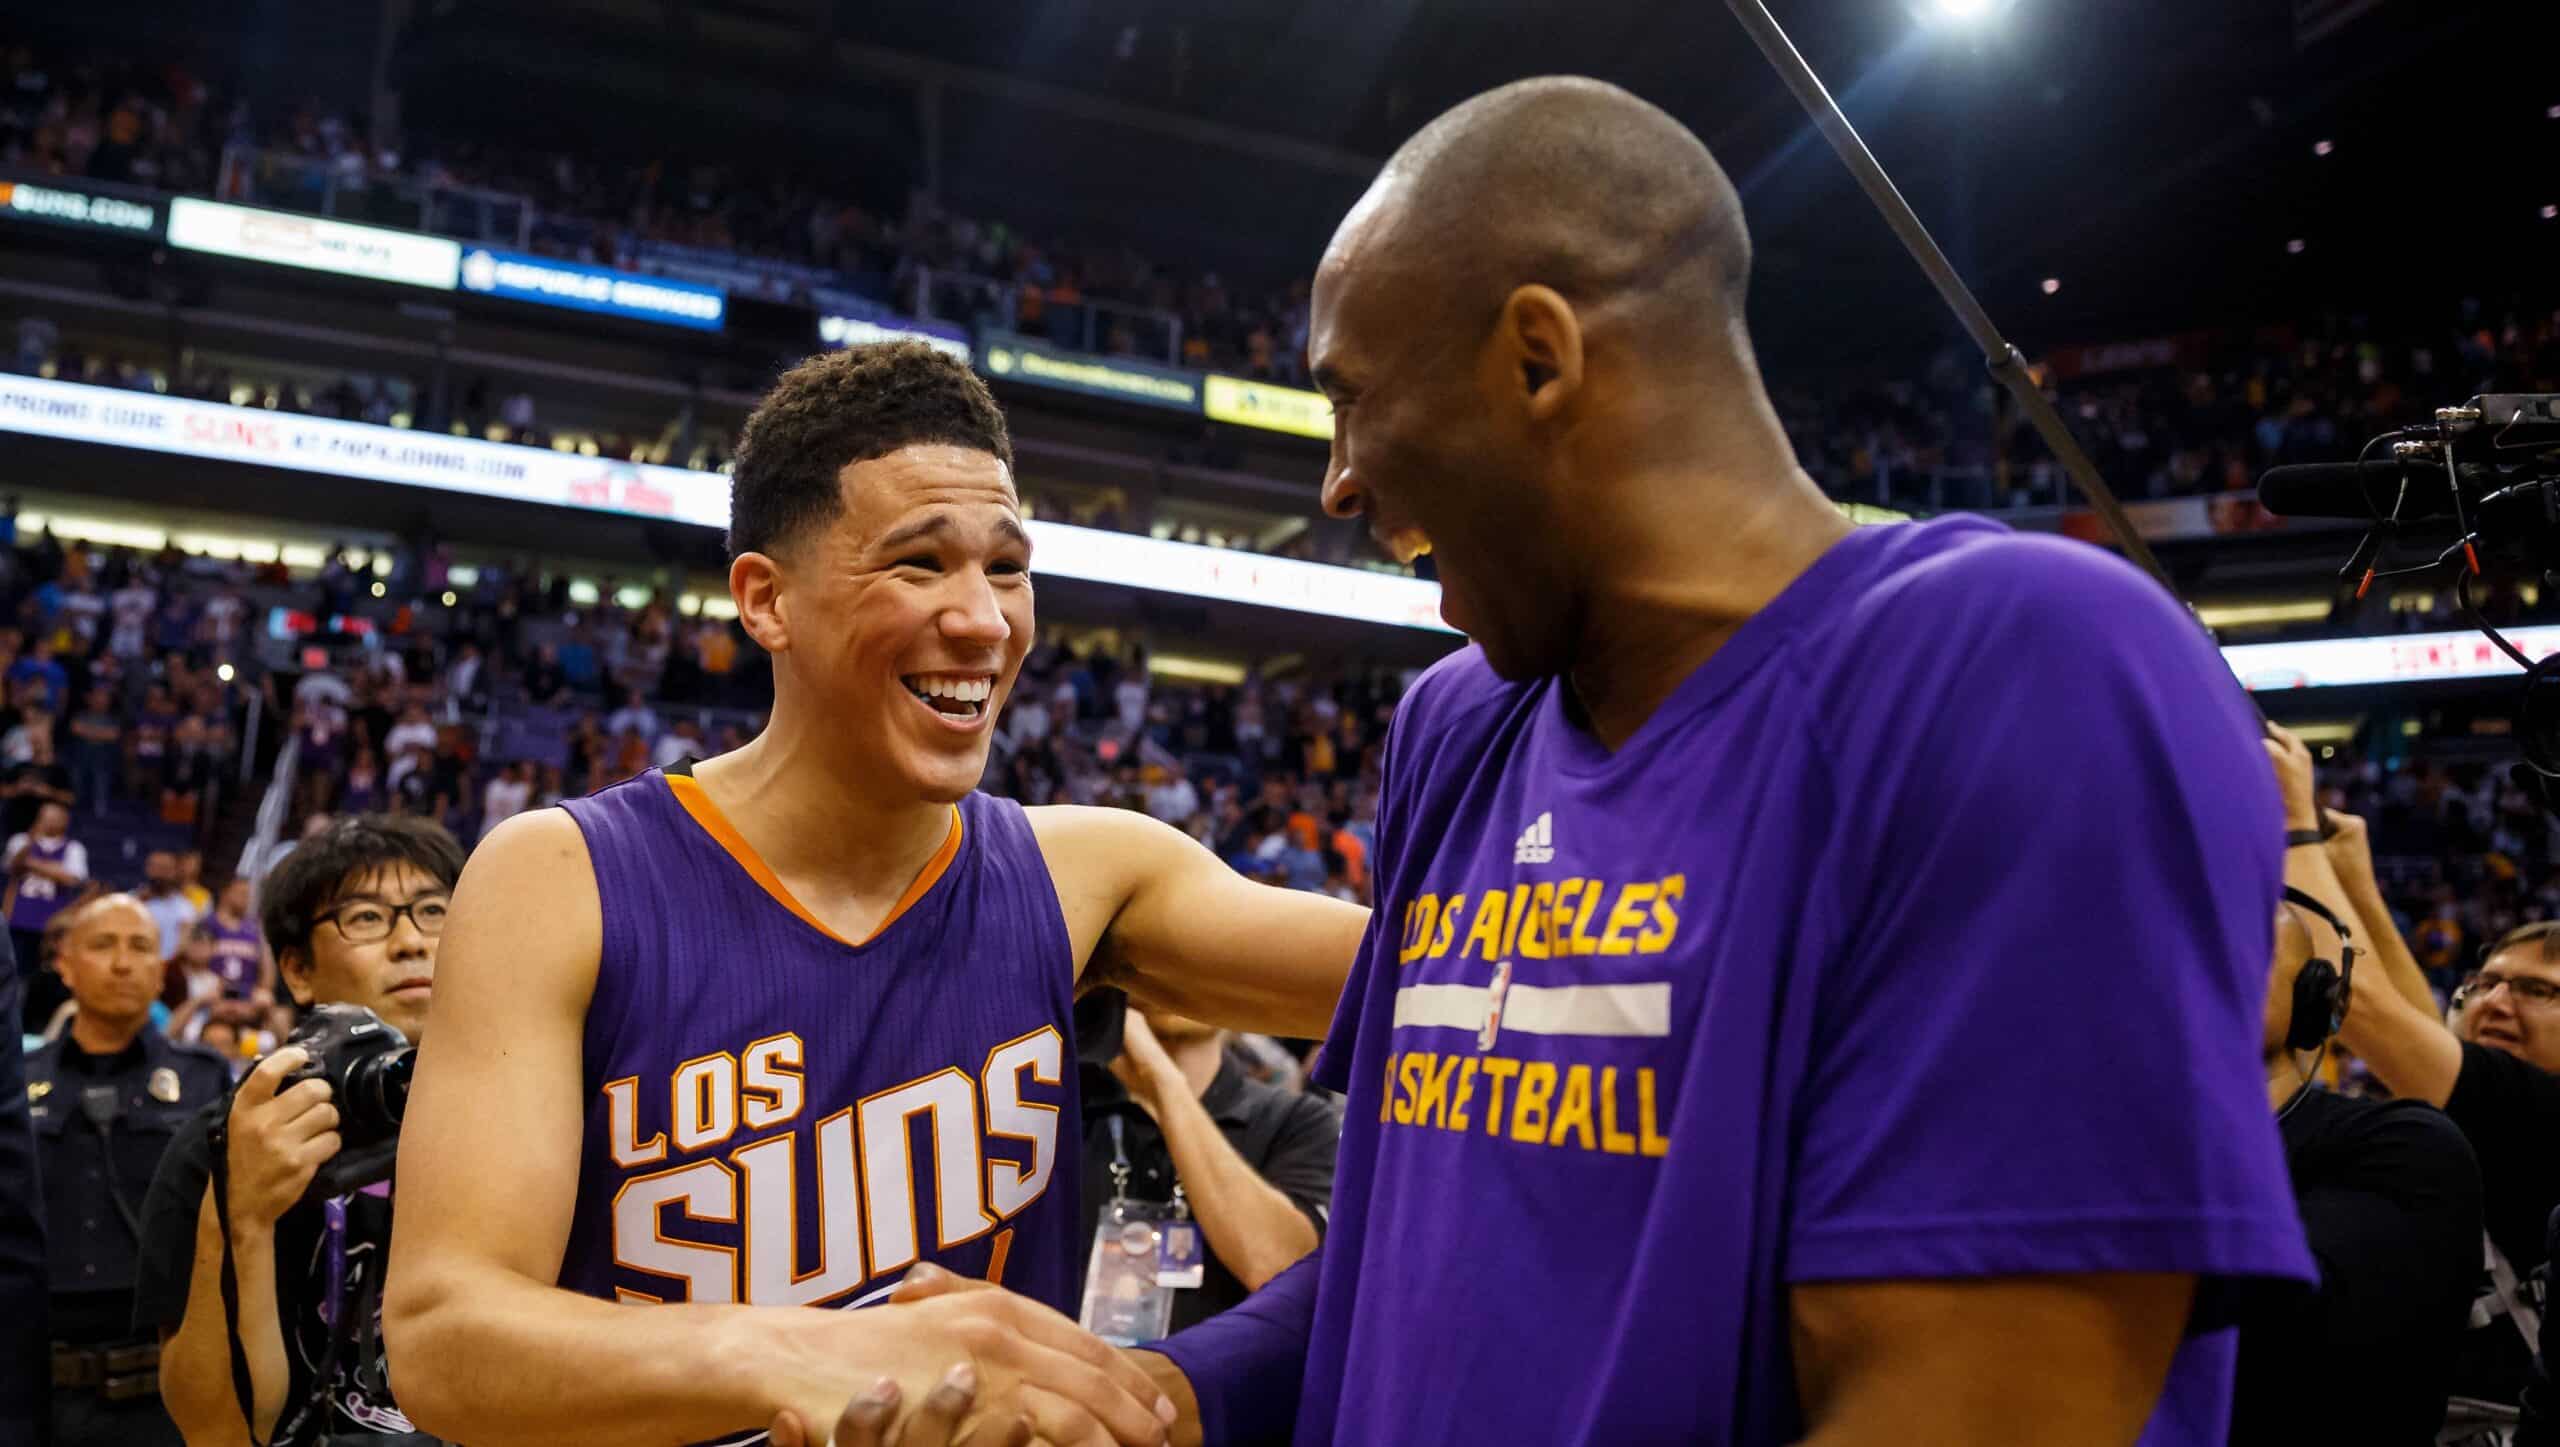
1923,932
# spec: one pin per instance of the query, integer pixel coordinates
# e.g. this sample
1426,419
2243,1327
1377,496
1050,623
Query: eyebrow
939,524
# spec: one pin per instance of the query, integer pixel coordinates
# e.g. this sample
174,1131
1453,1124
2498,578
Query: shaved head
1572,184
1533,316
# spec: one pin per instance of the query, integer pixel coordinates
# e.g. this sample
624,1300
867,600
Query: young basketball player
712,1046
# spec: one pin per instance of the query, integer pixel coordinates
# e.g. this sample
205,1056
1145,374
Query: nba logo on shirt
1537,842
1493,1006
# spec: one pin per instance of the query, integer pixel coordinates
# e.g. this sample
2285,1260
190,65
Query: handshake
966,1362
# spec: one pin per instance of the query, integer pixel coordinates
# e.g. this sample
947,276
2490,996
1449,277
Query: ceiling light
2052,284
2322,148
2294,247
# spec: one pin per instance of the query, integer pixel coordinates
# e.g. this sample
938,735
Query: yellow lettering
1387,1102
1434,1096
1487,930
1626,914
1654,1144
1533,930
1511,929
1583,942
1498,1069
1411,1073
1419,916
1448,925
1613,1140
1573,1109
1529,1113
1666,920
1458,1098
1560,918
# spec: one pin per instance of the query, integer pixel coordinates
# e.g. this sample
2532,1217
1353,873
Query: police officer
106,1097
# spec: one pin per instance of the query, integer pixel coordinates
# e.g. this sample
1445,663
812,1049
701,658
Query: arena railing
330,186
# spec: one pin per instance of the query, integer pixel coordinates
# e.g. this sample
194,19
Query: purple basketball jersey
36,900
236,958
777,1116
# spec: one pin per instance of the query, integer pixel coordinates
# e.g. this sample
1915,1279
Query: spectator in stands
239,957
191,881
129,610
546,684
634,717
30,740
414,731
1176,1118
362,791
147,745
48,870
2390,1200
170,908
97,749
682,742
38,664
508,794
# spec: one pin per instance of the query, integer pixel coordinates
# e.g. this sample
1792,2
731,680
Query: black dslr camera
367,1062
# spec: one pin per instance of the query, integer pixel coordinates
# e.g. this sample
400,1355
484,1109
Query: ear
294,968
1543,339
755,584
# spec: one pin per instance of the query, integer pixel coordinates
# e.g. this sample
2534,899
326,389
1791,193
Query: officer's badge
164,1086
38,1090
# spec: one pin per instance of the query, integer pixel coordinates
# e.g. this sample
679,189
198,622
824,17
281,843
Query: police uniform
101,1124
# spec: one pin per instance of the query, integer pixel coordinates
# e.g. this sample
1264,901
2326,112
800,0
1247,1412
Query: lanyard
1121,1171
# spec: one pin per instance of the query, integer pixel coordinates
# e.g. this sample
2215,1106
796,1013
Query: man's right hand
1029,1364
278,1141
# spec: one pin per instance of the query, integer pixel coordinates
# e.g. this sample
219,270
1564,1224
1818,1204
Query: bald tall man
1815,987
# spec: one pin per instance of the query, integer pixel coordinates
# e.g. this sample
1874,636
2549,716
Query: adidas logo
1537,842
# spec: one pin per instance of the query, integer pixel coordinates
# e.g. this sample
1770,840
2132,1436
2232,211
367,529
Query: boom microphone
2361,491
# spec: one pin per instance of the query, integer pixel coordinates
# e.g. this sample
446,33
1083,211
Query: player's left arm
1152,911
2025,1360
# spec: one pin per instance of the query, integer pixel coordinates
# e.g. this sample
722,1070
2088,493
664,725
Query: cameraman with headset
2390,1203
352,917
2492,1073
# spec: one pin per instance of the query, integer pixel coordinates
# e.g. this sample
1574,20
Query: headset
2320,993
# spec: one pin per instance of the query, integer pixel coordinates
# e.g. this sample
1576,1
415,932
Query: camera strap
243,1391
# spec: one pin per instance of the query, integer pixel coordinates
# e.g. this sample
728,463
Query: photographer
352,916
2491,1073
1253,1164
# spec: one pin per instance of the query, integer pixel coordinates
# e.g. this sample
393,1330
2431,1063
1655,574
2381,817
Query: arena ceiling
2155,156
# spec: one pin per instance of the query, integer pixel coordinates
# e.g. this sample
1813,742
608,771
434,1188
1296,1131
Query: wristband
2296,838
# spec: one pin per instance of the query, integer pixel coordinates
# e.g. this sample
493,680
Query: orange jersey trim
706,814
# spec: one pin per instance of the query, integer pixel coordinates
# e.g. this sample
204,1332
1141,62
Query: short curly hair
840,408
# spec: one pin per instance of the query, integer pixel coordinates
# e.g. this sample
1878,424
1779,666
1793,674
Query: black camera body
366,1061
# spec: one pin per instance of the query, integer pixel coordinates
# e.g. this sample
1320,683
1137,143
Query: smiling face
904,619
1439,440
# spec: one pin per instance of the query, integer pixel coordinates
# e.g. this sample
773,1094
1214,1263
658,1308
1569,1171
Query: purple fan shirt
1924,931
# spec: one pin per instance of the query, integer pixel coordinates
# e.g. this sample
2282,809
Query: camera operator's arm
277,1143
487,1349
2350,853
1257,1231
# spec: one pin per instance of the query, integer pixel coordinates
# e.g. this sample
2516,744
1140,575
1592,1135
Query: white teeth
1408,544
964,690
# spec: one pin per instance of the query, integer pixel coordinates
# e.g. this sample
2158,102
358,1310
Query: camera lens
377,1093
